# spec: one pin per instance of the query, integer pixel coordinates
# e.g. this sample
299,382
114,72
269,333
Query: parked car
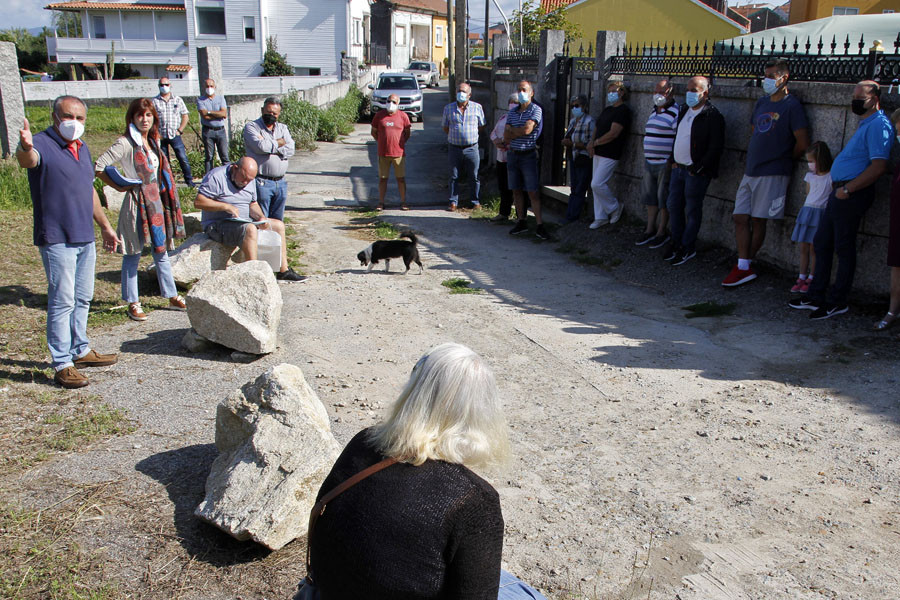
426,73
402,84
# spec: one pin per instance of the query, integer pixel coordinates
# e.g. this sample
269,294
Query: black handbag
307,589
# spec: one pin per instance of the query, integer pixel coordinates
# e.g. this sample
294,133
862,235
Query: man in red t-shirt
391,128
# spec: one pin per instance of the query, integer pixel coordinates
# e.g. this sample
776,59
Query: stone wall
828,110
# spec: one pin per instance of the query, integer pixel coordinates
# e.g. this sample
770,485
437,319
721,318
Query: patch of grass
385,231
490,208
294,250
82,429
40,559
709,309
365,212
14,193
458,285
186,197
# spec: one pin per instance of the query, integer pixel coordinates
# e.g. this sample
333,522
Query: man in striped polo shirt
520,134
659,137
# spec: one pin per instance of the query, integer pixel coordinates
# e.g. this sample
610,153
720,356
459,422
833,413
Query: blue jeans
514,589
271,196
581,183
70,287
180,153
685,203
464,160
163,275
214,140
836,234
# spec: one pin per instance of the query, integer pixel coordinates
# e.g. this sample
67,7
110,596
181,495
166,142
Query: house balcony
129,51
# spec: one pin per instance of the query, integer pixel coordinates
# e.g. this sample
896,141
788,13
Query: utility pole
448,35
462,44
487,27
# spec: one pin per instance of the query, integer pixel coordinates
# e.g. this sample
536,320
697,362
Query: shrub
197,162
302,120
273,63
236,143
339,119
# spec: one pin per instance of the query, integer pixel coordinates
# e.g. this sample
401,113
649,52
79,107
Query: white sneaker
616,214
599,223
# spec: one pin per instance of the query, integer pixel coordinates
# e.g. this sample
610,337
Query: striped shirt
580,132
518,118
659,136
170,112
463,124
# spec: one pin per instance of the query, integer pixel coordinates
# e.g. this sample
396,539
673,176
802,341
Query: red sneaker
800,287
739,277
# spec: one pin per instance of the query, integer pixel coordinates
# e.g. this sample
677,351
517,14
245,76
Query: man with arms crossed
270,144
61,178
520,135
213,113
227,193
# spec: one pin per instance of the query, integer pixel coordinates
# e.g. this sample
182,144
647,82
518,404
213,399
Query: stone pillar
607,43
209,66
499,44
12,103
552,42
350,69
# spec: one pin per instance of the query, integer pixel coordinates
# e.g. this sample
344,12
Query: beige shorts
384,166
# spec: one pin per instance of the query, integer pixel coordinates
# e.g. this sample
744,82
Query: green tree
536,19
31,50
273,63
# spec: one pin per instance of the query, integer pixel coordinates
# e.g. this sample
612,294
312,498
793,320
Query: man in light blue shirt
462,121
270,144
854,173
213,112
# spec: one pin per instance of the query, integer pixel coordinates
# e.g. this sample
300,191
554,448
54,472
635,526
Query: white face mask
210,91
70,129
163,89
659,99
392,107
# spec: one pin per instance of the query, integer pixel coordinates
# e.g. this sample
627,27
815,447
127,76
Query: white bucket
268,248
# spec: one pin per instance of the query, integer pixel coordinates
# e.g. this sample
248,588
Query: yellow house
439,41
652,21
809,10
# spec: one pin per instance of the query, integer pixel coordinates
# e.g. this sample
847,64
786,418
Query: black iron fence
837,62
524,56
376,54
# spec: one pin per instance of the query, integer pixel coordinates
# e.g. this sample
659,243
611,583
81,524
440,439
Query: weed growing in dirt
490,208
458,285
40,560
709,309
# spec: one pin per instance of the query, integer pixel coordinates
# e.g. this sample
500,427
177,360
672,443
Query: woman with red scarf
150,213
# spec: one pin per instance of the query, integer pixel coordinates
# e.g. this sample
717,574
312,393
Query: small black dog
388,249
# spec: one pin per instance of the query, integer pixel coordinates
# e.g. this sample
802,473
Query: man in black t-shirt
610,133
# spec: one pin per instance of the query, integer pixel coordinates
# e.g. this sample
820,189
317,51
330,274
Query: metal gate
574,76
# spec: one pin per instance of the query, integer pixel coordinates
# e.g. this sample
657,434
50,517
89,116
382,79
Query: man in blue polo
270,144
61,178
520,134
213,112
462,121
853,174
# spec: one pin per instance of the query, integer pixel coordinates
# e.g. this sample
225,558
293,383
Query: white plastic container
268,248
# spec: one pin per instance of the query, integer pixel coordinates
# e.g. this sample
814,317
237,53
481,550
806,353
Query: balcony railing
57,45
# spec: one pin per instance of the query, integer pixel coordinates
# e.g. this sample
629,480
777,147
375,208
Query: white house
161,37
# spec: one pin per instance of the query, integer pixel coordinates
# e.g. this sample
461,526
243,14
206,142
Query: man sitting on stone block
226,196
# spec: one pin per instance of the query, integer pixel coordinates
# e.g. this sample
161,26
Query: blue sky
31,13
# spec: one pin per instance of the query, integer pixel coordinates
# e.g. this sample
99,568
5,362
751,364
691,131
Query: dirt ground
748,456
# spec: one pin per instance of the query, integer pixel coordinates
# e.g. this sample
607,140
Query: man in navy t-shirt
779,136
61,178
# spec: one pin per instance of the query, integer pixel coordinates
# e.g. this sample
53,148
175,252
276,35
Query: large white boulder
276,448
239,308
196,257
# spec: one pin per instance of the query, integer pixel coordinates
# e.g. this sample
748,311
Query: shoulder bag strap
319,507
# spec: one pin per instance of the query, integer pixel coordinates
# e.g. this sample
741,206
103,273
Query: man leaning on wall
778,136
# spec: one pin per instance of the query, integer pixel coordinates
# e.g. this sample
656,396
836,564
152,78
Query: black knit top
407,533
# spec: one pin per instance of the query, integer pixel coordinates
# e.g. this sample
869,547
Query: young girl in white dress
818,189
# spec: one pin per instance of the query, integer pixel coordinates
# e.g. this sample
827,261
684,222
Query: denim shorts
227,233
522,170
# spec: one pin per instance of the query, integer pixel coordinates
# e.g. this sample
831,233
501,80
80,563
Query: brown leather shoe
136,313
92,359
70,378
177,303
